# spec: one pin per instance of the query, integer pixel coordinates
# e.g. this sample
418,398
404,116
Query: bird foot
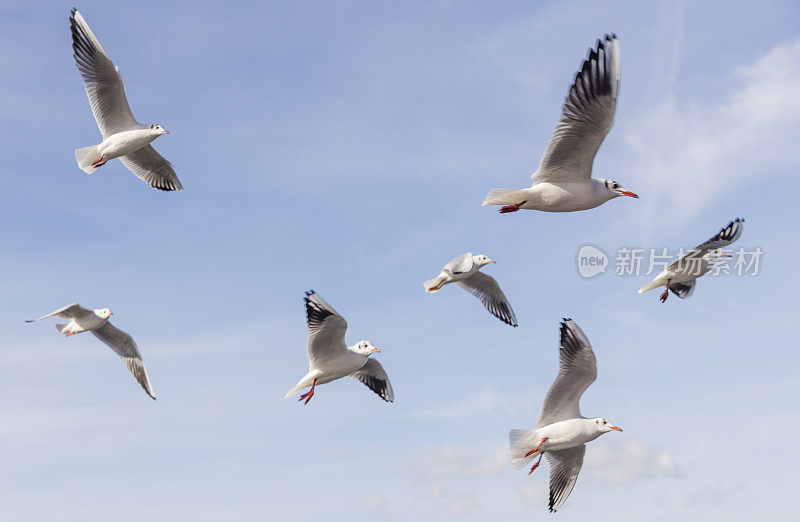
536,465
99,163
534,450
307,396
436,287
511,208
68,334
666,292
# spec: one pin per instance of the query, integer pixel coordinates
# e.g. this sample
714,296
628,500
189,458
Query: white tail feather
649,286
502,197
294,390
521,442
431,284
86,156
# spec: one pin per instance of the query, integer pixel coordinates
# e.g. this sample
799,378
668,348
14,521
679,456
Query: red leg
534,450
307,396
512,208
436,287
68,334
99,163
666,292
537,464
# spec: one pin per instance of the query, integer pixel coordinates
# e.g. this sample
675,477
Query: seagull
329,357
464,271
681,275
563,182
96,321
562,432
123,136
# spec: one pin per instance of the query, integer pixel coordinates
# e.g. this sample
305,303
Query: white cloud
462,505
628,463
448,462
687,153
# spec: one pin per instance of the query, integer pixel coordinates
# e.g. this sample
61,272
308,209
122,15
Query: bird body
329,357
563,182
96,321
681,275
116,145
465,272
562,432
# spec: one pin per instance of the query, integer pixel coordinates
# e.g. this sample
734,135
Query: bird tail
432,284
296,388
501,197
521,442
86,156
655,283
60,326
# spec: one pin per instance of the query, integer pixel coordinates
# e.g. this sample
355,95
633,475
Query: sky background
346,147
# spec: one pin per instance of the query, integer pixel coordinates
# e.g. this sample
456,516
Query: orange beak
724,255
110,314
166,131
616,428
628,193
495,262
375,350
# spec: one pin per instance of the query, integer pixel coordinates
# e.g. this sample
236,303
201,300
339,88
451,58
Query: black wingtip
28,320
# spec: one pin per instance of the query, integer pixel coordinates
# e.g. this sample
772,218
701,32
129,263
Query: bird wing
326,329
683,290
486,289
124,346
101,78
565,465
151,166
727,235
586,117
374,376
460,265
71,311
578,369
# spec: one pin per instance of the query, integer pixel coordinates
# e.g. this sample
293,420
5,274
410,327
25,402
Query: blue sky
347,148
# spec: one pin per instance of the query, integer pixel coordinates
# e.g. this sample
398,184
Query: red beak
616,428
628,193
375,350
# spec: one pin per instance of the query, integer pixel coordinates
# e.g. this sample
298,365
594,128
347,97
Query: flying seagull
96,321
562,432
563,182
123,136
464,271
329,357
681,275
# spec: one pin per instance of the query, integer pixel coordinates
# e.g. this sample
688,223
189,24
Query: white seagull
96,321
123,136
329,357
563,182
681,275
562,432
465,272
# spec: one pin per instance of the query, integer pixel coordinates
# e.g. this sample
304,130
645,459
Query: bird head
713,255
364,348
482,260
604,426
103,313
158,130
618,190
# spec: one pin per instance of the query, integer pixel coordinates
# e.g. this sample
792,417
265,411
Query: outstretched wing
727,235
460,265
486,289
683,290
101,79
151,166
564,468
124,346
586,118
578,370
374,376
71,311
326,329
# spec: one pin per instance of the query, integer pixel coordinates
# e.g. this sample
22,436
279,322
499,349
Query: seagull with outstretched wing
563,182
123,136
96,321
562,432
329,357
682,274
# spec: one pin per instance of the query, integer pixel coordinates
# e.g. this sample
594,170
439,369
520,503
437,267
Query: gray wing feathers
727,235
375,378
326,330
124,346
460,265
564,468
486,289
71,311
150,166
578,370
586,118
101,78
